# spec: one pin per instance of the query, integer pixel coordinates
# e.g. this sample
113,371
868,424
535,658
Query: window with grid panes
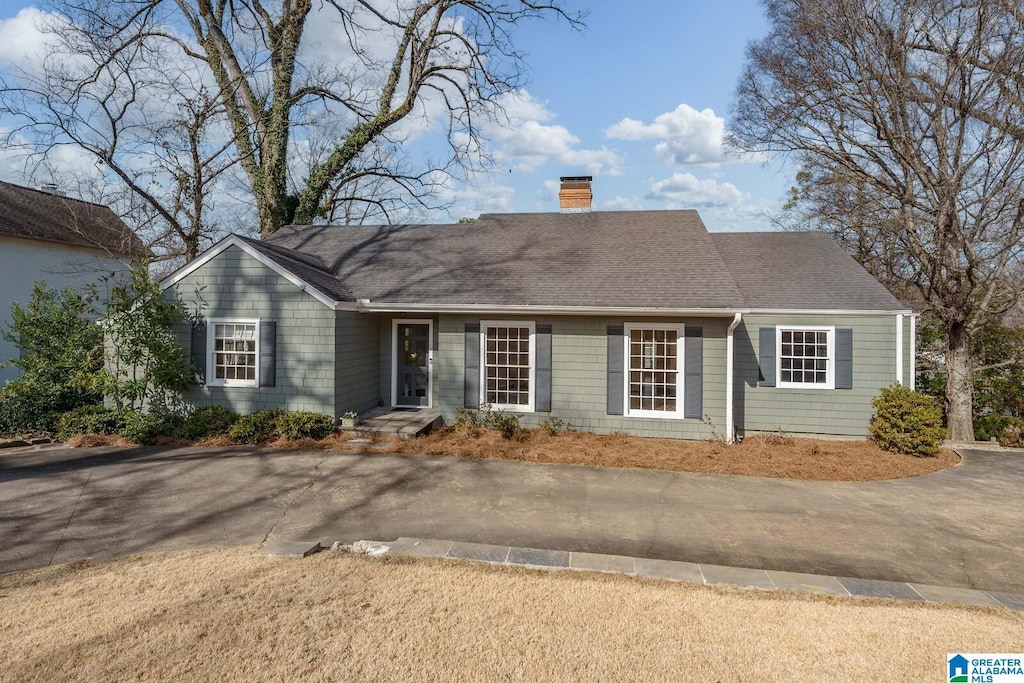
507,361
804,357
234,353
653,370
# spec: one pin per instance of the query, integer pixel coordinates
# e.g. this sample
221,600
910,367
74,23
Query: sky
639,98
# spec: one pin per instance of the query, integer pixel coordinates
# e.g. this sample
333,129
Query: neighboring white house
64,241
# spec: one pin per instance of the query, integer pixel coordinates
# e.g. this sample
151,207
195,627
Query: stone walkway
700,573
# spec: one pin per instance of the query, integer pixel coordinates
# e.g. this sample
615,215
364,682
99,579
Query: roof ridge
58,195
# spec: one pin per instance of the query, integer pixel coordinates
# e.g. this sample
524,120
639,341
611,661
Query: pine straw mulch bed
772,455
769,455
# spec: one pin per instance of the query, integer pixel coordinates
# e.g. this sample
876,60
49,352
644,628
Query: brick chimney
574,195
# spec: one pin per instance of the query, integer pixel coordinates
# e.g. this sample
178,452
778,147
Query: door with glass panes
412,364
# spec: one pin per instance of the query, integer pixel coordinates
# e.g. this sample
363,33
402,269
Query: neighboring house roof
647,261
37,214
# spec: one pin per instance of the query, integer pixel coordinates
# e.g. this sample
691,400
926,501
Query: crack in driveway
288,506
64,531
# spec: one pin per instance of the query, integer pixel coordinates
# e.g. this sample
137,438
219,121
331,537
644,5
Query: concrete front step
403,422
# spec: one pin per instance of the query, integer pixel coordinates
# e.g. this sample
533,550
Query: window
233,360
508,365
655,370
806,357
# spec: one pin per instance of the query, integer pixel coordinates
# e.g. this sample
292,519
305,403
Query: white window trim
830,376
680,330
395,322
211,353
509,408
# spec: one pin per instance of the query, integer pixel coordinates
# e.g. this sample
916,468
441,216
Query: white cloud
472,196
686,189
22,40
620,203
523,141
687,137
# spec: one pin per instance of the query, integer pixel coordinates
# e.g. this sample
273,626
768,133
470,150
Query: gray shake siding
334,361
235,285
357,341
816,411
579,349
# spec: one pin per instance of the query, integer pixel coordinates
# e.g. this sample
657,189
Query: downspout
899,348
913,352
730,429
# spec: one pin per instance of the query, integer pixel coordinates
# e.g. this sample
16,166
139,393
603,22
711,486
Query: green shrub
1012,433
555,425
142,428
907,422
256,428
305,425
987,426
507,424
465,418
89,420
57,345
30,405
207,421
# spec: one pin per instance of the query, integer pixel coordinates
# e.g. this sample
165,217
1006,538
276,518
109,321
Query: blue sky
639,99
643,64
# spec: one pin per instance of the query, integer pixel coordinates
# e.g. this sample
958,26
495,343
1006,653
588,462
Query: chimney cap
576,178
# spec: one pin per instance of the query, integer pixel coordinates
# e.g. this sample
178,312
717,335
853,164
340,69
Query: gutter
368,306
730,429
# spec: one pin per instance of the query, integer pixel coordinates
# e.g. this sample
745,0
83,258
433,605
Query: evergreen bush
207,421
89,420
305,425
257,427
907,422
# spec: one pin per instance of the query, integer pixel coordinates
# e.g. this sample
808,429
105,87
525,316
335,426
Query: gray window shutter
693,397
542,335
766,357
844,359
198,351
616,372
471,386
268,353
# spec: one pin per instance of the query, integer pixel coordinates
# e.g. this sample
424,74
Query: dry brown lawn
227,615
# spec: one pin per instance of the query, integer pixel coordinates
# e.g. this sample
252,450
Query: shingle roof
800,270
306,267
614,259
35,214
660,259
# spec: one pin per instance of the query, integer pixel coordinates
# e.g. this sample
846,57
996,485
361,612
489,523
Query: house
642,322
64,241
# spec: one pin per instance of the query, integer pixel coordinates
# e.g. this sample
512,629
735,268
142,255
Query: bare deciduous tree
400,58
150,126
897,112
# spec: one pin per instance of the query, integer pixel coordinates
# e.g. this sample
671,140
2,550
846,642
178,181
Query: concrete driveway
959,527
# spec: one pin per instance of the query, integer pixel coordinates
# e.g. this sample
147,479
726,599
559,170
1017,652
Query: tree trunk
959,384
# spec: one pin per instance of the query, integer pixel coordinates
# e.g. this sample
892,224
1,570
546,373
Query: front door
412,364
